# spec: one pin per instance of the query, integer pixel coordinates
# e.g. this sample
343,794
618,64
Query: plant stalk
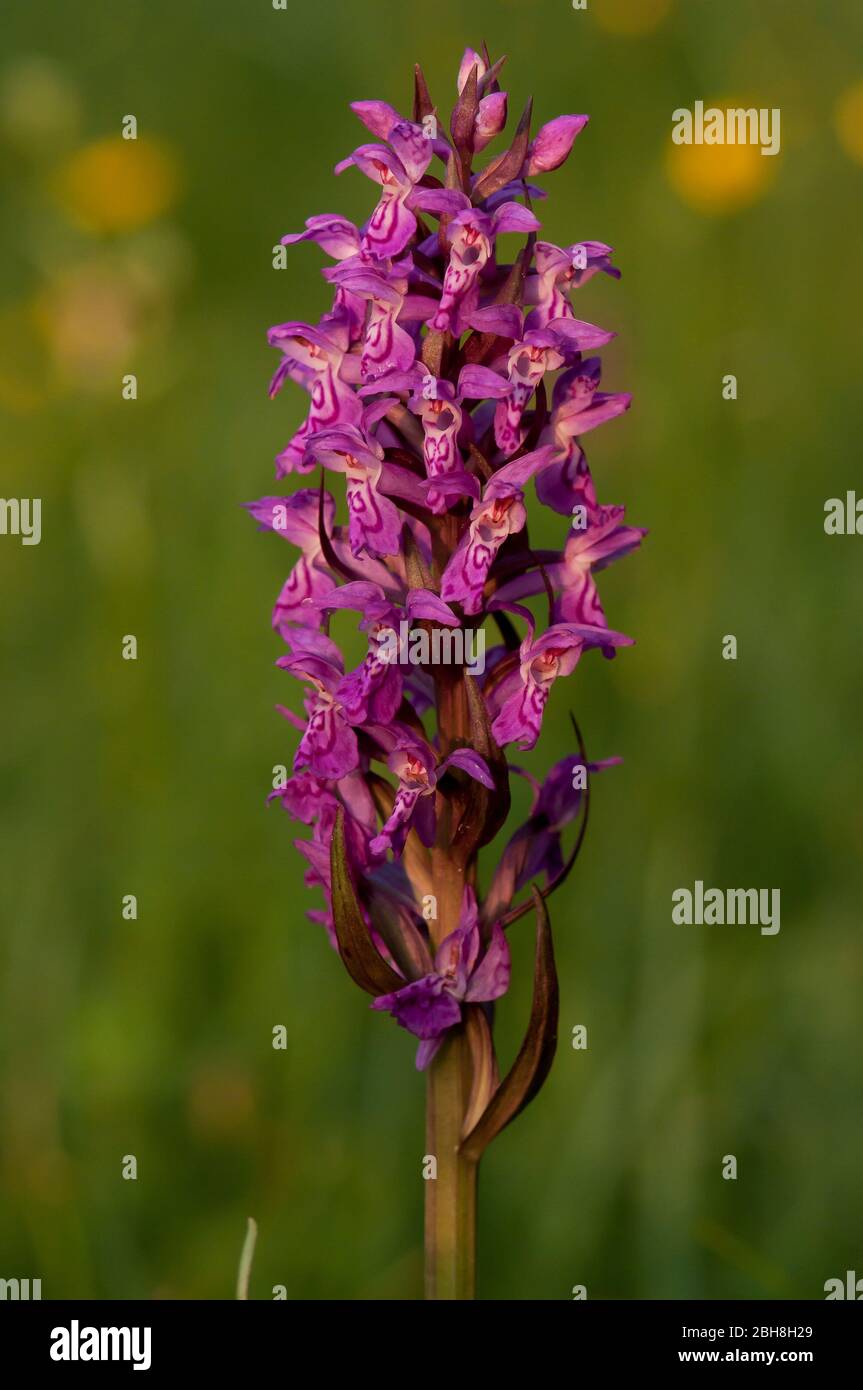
450,1197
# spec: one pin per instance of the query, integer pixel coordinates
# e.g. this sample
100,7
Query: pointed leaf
507,166
417,572
489,82
401,937
533,1063
463,117
485,1077
432,351
362,960
422,101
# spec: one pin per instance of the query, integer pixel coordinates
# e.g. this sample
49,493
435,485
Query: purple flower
314,357
472,234
386,347
341,240
374,521
315,802
560,269
442,419
490,119
329,746
535,850
335,235
372,694
416,766
398,170
296,518
447,381
577,404
470,59
553,143
501,513
541,350
585,553
521,698
428,1007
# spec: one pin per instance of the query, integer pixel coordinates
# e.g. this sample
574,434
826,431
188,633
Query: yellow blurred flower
116,185
848,119
718,179
630,17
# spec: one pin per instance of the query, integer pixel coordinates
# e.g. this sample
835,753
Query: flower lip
545,665
499,507
415,771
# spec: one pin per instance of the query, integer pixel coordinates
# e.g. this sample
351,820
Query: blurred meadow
153,1037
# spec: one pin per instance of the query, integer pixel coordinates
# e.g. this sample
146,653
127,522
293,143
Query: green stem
450,1196
450,1210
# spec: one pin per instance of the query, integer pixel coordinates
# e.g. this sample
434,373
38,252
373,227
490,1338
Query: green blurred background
153,1037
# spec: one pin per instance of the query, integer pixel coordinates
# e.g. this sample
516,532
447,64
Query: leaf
362,960
533,1063
463,117
417,572
422,101
432,351
453,180
401,937
490,83
483,1065
512,289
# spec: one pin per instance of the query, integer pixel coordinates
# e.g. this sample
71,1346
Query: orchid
559,269
500,514
447,385
418,769
520,699
430,1006
313,356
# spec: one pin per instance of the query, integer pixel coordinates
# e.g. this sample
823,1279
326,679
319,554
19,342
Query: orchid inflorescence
427,386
